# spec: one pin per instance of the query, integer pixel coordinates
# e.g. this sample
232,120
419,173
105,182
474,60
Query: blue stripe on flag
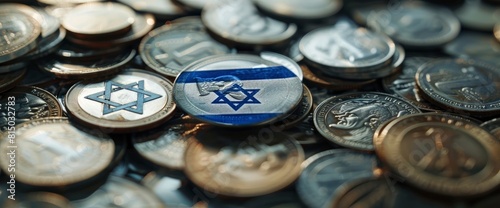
272,72
239,119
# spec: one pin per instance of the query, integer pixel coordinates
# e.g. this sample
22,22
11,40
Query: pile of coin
235,103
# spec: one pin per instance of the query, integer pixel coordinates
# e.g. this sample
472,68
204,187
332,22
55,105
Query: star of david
236,105
137,106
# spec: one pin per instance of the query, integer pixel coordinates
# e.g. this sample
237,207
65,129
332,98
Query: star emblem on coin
236,105
110,106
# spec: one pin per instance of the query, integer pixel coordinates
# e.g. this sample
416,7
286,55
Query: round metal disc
19,32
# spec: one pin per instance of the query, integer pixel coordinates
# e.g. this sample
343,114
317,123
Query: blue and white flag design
238,97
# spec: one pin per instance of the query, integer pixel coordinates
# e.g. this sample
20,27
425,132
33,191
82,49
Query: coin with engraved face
98,19
237,90
350,120
120,192
19,33
461,85
325,172
242,163
30,103
170,48
53,152
330,82
131,101
239,23
86,70
416,24
347,47
300,10
441,154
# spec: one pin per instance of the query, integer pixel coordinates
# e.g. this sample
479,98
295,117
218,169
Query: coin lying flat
120,192
30,103
300,10
98,19
131,101
462,85
234,164
239,23
19,34
441,154
325,172
53,152
347,48
416,24
237,90
350,120
170,48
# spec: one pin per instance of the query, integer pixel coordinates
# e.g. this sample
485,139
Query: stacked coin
249,104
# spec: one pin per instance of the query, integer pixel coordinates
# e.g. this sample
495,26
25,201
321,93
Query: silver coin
170,48
120,192
325,172
301,10
478,15
53,152
462,85
346,47
284,61
239,23
403,83
477,45
416,24
20,33
350,120
48,23
237,90
161,9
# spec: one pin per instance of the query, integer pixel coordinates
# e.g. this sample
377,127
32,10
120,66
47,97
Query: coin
284,61
86,70
20,33
441,154
350,119
170,48
242,163
47,45
347,48
120,192
493,126
371,192
131,101
237,90
325,172
10,79
161,9
477,15
59,153
477,45
143,23
30,103
332,83
167,144
93,20
49,24
71,52
239,23
403,82
38,199
462,85
299,113
416,24
300,10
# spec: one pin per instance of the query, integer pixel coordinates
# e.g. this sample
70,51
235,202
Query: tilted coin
347,48
300,10
478,15
325,172
403,82
10,79
364,193
161,9
461,85
237,90
416,24
167,144
29,103
284,61
242,163
93,20
493,126
143,23
52,152
239,23
131,101
120,192
20,33
350,119
86,70
299,113
441,154
170,48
